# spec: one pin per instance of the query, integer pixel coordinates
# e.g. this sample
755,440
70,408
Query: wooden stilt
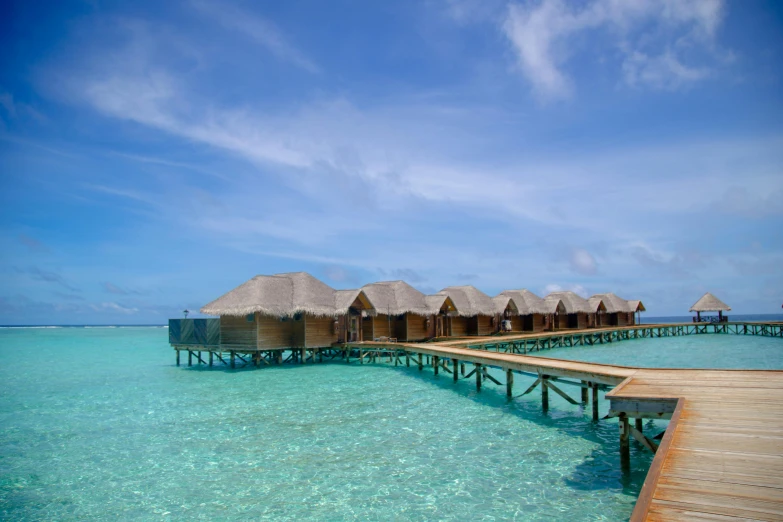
177,357
454,373
625,446
407,359
509,382
190,358
544,393
435,364
595,401
304,355
462,369
211,355
585,393
639,425
421,364
320,355
233,360
478,377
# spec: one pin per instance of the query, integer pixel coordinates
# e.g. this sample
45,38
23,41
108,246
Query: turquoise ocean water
100,424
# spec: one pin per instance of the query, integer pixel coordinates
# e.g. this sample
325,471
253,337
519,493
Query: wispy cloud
257,29
46,276
648,33
33,244
113,307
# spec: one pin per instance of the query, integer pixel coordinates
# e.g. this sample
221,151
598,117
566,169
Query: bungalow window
250,318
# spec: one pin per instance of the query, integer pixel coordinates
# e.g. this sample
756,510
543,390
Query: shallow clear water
690,351
100,424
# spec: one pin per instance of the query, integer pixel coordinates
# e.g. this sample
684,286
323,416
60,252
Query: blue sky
157,154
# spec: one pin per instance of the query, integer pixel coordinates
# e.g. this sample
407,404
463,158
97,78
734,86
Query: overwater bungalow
555,313
475,311
293,310
710,303
581,313
531,309
637,307
404,313
506,311
618,311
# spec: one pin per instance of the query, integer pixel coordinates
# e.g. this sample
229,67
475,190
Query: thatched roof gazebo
709,303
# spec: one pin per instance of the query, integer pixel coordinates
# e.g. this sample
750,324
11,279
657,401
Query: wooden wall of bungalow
555,322
403,327
620,319
460,326
271,333
578,320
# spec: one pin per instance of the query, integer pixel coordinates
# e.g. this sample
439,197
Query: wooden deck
722,454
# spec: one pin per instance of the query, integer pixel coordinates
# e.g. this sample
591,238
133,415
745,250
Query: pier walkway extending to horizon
721,456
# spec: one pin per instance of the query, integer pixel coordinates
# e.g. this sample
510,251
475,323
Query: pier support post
190,358
233,359
509,382
304,355
177,357
639,425
595,401
585,394
421,364
478,377
544,393
454,373
407,360
625,446
361,356
211,355
435,363
462,369
320,355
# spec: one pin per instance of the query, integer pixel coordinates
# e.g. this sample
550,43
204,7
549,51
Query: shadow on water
600,470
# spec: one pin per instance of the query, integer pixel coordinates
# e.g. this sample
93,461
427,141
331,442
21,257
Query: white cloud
258,29
648,33
113,307
582,262
575,288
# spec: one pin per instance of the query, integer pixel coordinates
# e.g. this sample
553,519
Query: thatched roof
709,303
613,303
345,299
505,302
469,300
441,302
552,304
637,306
398,297
573,303
527,302
282,295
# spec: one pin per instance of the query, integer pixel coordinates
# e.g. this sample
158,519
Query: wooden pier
720,458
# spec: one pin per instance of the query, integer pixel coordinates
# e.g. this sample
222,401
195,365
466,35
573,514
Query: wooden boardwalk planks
724,460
